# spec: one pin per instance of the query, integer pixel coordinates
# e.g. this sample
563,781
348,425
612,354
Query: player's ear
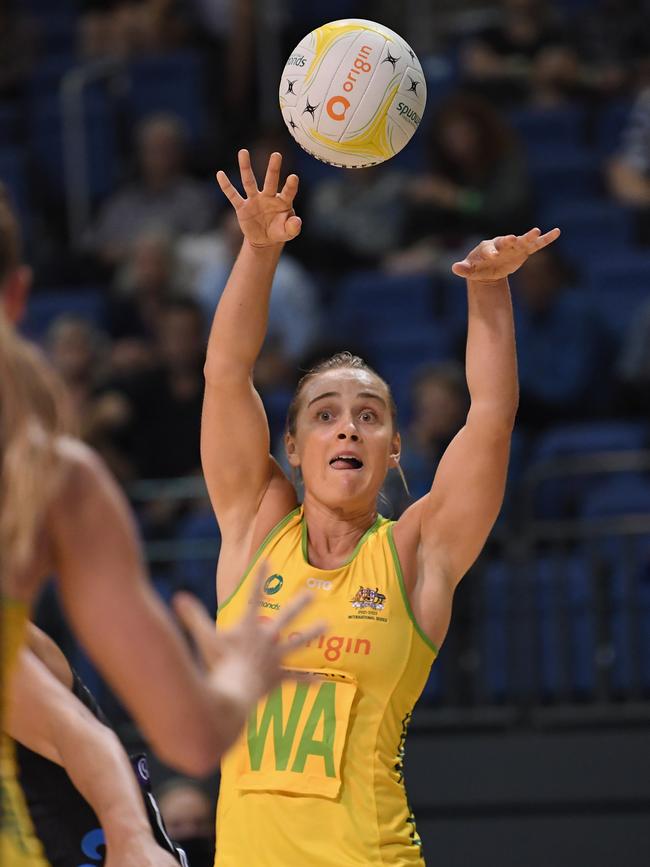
291,450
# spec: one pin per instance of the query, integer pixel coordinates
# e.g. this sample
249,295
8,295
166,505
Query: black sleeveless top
64,821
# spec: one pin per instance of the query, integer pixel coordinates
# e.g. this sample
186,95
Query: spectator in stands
294,312
147,280
188,813
80,354
440,402
629,170
127,28
77,351
164,404
500,59
355,218
163,196
562,349
477,182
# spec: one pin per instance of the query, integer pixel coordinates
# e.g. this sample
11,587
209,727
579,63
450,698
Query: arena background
531,742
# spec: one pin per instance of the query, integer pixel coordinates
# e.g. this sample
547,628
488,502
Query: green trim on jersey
402,587
379,520
269,536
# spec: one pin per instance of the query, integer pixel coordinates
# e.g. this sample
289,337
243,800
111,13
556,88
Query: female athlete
61,512
316,777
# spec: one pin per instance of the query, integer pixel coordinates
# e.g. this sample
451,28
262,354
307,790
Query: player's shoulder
84,470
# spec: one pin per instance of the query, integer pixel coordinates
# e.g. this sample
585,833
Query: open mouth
346,462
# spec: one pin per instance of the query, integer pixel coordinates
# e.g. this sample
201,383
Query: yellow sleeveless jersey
18,844
316,778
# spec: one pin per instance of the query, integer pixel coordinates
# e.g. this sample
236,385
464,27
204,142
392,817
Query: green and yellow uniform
18,844
316,777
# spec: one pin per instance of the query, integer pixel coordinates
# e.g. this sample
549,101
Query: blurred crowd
538,112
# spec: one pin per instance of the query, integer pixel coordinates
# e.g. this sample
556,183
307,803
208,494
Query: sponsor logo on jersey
319,584
367,604
334,646
272,584
274,606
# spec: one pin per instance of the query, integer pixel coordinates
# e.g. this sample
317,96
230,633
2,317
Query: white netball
352,93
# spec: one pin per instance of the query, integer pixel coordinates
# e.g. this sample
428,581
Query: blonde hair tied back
32,416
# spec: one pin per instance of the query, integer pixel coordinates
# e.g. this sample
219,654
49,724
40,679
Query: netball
352,93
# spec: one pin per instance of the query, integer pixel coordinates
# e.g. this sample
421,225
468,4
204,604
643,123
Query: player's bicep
465,499
235,447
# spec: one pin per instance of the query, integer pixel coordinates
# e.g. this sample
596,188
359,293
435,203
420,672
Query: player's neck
333,534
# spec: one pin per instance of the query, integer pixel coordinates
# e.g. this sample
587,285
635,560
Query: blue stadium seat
564,600
546,131
572,175
197,574
400,298
45,307
623,271
561,496
627,562
624,494
610,125
562,640
397,355
496,652
589,227
168,83
617,310
576,439
46,135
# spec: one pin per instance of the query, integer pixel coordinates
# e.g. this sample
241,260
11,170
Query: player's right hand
266,216
246,661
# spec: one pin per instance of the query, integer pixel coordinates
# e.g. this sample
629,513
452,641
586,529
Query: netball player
61,512
79,785
316,777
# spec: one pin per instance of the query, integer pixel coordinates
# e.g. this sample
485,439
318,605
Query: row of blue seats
559,632
172,83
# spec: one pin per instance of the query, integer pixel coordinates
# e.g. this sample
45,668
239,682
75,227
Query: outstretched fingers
229,190
298,639
272,178
505,242
247,174
544,240
289,190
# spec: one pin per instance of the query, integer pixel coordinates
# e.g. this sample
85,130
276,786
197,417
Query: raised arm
44,716
456,516
190,717
234,432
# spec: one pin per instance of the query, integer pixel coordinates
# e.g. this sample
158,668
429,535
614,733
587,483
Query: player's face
344,442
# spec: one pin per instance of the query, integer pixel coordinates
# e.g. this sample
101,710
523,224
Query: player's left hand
496,259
